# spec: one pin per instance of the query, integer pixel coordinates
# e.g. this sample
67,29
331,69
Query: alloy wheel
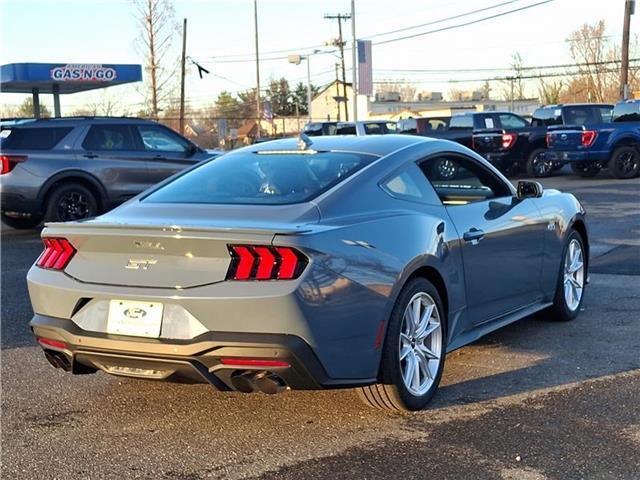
541,166
73,205
573,275
627,163
420,344
446,169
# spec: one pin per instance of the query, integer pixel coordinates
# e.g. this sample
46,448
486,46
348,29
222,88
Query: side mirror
191,150
529,190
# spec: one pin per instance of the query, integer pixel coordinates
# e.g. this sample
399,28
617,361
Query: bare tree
156,19
589,49
514,87
550,91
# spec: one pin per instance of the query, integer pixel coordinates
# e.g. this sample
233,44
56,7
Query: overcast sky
221,31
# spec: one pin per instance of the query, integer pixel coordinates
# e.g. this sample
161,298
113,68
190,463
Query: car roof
73,121
379,145
585,104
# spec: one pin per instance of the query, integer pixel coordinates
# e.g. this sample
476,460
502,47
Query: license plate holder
133,318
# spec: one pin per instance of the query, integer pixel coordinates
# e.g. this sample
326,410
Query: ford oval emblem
134,313
486,139
563,136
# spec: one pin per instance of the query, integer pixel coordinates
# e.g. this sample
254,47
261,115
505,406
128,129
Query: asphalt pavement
535,400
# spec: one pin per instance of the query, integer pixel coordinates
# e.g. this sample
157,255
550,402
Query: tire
70,201
624,162
585,169
392,392
537,166
22,223
563,308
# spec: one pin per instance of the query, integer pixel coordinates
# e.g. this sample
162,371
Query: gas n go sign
83,73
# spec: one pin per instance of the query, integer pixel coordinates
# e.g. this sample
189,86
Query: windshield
262,178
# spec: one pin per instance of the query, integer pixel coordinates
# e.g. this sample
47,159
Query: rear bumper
13,202
193,361
573,156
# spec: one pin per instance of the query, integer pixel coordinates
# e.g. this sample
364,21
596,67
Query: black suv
70,168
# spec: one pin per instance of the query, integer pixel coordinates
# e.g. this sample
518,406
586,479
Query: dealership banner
365,69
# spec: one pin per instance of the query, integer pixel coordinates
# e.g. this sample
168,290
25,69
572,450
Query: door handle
474,235
90,155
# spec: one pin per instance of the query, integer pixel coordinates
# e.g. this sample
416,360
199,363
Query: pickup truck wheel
585,169
70,201
22,223
537,165
624,162
413,353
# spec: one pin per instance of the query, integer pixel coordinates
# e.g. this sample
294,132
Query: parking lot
534,400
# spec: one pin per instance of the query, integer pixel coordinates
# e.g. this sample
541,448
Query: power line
239,56
541,67
492,79
446,19
465,24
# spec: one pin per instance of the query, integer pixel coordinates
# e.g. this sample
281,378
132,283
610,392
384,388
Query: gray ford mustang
341,262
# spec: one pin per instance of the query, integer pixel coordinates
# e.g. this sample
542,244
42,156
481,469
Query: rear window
44,138
586,114
547,116
627,112
249,178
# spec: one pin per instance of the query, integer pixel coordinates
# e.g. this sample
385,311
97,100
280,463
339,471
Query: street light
296,59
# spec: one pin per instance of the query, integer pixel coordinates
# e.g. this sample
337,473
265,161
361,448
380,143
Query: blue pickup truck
591,147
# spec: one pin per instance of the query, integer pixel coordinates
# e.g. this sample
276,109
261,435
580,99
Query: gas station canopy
61,78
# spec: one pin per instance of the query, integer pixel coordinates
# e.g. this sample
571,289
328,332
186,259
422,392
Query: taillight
9,161
57,253
262,262
588,137
548,138
252,362
508,139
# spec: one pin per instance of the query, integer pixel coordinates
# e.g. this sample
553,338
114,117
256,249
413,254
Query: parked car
71,168
507,140
364,127
321,263
595,145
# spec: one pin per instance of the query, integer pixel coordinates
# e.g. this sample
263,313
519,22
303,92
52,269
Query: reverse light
7,162
263,262
588,137
508,139
57,253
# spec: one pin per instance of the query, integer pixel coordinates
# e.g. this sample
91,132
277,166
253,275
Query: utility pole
258,106
338,90
629,7
354,61
182,74
340,17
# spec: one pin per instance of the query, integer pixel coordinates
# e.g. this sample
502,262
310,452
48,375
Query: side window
409,183
459,180
461,121
37,138
109,137
373,129
159,139
627,112
511,121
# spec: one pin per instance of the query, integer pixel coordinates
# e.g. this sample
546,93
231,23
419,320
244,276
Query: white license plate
139,319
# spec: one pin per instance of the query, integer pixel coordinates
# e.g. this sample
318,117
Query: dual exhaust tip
58,360
251,382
